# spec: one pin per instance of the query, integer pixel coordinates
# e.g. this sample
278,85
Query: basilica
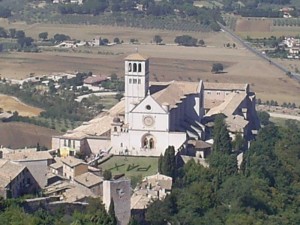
155,115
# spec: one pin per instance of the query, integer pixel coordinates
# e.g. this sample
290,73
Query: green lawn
131,166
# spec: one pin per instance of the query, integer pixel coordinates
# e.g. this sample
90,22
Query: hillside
20,135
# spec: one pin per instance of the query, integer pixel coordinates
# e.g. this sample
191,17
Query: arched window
129,67
148,142
140,67
151,143
145,144
115,129
134,67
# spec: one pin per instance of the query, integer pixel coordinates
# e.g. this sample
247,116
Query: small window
140,67
148,107
130,81
65,142
129,67
134,67
115,129
134,81
208,92
73,143
218,93
139,81
121,145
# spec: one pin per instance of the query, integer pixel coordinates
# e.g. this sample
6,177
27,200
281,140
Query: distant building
155,115
90,182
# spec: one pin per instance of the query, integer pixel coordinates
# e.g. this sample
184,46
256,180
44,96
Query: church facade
153,116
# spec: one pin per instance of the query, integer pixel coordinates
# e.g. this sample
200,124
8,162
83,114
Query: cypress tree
160,163
111,212
168,166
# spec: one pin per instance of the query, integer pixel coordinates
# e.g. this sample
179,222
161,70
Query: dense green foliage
12,213
264,191
167,162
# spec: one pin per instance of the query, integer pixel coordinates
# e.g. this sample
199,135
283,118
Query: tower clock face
148,121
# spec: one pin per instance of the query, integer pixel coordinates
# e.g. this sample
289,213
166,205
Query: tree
160,163
217,68
168,166
157,39
12,32
61,37
186,40
111,212
117,40
222,141
238,142
20,34
201,42
107,175
38,147
264,117
43,35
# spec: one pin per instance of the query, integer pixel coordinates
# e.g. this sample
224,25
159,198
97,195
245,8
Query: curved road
258,53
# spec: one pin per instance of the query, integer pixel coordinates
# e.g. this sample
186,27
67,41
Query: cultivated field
21,135
168,62
8,103
260,28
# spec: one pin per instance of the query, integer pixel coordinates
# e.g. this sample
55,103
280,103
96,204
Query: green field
131,166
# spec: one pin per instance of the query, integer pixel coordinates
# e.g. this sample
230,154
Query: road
284,116
258,53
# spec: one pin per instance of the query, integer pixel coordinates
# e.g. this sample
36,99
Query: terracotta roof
95,79
225,86
174,92
97,126
231,103
56,165
136,57
88,179
28,155
164,182
198,144
72,161
8,171
236,123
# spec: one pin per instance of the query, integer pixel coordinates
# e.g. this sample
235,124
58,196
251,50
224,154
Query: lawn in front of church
131,166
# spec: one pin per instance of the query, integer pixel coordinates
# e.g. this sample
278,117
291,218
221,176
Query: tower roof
136,57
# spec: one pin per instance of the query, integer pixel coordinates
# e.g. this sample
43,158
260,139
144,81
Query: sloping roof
88,179
174,92
140,201
199,144
95,79
56,165
8,171
164,182
76,194
236,123
72,161
225,86
97,126
22,156
231,103
136,57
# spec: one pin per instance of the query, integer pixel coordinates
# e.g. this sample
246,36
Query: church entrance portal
148,142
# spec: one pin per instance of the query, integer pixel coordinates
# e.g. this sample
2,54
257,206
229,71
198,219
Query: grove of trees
265,190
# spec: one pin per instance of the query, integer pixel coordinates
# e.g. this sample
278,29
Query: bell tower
136,81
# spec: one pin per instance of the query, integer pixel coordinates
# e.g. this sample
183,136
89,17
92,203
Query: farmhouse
153,116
